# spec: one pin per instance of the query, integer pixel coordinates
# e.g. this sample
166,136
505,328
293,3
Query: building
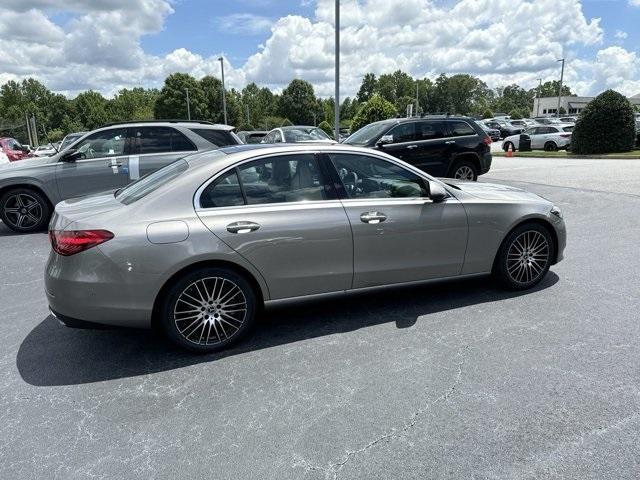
572,105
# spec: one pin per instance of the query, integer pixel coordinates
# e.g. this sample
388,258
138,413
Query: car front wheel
24,210
208,310
524,257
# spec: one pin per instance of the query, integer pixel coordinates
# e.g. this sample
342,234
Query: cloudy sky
105,45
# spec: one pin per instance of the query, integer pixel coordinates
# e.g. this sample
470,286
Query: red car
12,149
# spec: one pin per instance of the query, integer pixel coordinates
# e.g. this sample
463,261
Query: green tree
513,97
487,114
606,125
377,108
134,104
171,102
298,103
460,94
326,126
398,88
550,89
515,114
91,110
367,88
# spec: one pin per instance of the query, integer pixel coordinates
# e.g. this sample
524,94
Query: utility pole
337,73
224,92
417,104
560,89
188,105
538,106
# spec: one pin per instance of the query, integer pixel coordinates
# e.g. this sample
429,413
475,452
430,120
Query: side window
460,129
430,130
291,178
107,143
218,138
364,176
180,143
405,132
223,192
151,140
277,137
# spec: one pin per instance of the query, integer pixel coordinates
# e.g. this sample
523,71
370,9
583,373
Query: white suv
547,137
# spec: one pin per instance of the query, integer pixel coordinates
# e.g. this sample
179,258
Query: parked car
44,151
69,139
13,150
197,248
297,134
524,123
455,147
548,120
252,136
103,160
547,137
571,119
494,133
504,126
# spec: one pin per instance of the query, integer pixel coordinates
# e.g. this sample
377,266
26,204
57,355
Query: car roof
296,127
166,123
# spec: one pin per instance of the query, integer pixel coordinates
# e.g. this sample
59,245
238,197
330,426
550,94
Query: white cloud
620,35
634,3
502,41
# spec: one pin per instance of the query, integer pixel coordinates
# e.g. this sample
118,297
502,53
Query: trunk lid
76,210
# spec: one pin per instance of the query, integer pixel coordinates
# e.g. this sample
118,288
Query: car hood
493,191
78,209
25,164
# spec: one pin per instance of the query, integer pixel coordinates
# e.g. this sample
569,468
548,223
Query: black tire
520,271
464,170
550,147
505,146
185,321
25,210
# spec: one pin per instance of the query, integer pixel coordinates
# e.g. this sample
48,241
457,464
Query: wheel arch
261,294
28,186
534,220
470,156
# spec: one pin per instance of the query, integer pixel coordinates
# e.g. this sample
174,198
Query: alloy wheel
22,210
210,311
528,257
464,173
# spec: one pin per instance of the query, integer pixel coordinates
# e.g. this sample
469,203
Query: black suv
441,146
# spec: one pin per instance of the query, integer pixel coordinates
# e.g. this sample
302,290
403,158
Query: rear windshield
219,138
568,129
149,183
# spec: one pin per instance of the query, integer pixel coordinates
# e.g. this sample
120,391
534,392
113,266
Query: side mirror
437,192
71,155
385,139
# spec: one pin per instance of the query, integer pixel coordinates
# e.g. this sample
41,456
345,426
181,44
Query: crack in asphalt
333,469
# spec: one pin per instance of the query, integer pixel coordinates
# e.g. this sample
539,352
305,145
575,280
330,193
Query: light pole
188,105
224,93
560,89
417,104
337,72
538,106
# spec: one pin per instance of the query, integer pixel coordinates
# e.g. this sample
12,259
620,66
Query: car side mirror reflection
385,139
437,192
70,155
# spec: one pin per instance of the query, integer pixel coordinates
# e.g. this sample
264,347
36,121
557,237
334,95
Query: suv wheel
524,257
24,210
465,170
208,310
550,147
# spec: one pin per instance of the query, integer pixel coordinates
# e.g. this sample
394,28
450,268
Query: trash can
525,143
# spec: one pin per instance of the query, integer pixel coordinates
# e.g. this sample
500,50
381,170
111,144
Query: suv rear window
219,138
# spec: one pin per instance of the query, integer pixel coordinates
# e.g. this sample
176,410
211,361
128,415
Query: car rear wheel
550,147
24,210
208,310
524,257
465,170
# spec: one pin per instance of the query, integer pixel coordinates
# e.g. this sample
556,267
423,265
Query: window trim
236,166
130,138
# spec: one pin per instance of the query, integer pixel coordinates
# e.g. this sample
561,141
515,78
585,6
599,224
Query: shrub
326,126
606,125
375,109
515,114
487,114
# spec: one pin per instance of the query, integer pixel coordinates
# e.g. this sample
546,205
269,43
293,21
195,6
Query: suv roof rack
172,120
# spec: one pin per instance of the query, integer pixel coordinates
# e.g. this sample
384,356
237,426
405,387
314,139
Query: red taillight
487,140
565,135
70,242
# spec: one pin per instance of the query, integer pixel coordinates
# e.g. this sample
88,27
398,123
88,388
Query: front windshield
151,182
368,133
295,135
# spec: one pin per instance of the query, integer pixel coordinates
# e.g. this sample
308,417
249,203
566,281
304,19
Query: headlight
556,211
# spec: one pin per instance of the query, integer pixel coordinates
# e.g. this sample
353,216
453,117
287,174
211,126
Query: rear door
433,152
153,147
103,165
399,234
281,214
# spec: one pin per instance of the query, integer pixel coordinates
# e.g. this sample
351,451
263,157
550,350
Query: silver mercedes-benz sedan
198,247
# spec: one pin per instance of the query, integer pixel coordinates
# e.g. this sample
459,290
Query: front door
403,141
399,234
281,215
102,165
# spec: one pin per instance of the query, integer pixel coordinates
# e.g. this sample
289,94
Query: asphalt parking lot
460,380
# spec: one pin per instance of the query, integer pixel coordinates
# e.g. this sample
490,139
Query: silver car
103,160
197,248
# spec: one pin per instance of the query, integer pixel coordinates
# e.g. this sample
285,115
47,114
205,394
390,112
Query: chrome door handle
242,227
373,217
411,147
114,163
450,142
